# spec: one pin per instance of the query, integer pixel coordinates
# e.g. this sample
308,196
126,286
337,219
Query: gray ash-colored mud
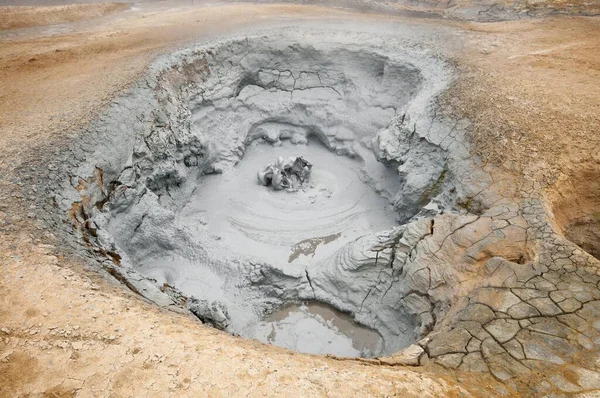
173,154
318,329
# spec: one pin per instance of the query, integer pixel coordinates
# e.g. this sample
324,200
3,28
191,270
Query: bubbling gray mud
174,200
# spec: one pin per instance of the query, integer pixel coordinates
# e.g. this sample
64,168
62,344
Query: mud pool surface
317,329
238,215
233,217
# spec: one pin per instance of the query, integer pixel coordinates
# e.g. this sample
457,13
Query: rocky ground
528,95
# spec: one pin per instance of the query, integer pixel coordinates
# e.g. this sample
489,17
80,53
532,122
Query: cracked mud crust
513,278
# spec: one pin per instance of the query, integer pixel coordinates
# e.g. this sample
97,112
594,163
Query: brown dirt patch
576,206
532,93
17,370
16,17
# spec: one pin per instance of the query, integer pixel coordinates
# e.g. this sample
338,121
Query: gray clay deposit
171,193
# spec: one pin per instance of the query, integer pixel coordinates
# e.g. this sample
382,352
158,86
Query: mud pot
399,244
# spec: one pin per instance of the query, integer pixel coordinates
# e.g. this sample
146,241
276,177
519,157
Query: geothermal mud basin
397,245
184,209
240,220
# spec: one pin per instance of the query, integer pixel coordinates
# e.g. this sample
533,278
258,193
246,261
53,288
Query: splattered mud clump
289,174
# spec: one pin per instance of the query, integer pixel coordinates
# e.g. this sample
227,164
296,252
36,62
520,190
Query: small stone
62,344
44,345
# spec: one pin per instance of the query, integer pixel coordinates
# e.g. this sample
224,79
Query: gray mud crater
171,195
399,246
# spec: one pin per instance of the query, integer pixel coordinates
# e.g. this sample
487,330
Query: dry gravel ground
531,89
17,17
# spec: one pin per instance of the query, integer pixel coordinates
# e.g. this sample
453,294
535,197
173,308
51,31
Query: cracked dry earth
499,279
